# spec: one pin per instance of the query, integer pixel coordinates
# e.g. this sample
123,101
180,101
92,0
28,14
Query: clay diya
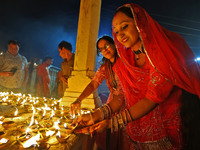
3,142
8,124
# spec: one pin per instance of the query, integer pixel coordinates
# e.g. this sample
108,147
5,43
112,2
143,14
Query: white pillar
85,55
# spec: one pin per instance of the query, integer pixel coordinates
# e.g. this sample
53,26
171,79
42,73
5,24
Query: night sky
39,25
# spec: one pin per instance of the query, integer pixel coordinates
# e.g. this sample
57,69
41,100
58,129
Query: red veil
166,51
170,57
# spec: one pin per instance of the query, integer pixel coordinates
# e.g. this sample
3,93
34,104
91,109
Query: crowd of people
154,83
14,71
43,78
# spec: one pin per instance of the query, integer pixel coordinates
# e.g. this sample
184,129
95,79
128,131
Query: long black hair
126,10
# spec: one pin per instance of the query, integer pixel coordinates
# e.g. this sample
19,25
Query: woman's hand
100,126
96,128
74,105
83,121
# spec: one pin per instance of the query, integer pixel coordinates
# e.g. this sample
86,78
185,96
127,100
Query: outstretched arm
135,112
93,85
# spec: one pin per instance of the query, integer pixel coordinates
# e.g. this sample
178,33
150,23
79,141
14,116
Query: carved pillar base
77,83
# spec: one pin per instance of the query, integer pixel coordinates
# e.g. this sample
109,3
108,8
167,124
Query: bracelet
125,118
110,112
111,125
78,100
129,115
115,124
102,115
120,120
105,112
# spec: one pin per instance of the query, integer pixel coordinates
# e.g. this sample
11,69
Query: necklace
139,51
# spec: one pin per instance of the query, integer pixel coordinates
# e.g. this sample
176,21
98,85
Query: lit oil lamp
8,124
45,135
38,126
2,134
25,136
32,141
44,113
62,110
56,126
50,133
59,100
65,125
60,138
28,130
3,142
2,118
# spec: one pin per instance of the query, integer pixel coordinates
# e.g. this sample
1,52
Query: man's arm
4,73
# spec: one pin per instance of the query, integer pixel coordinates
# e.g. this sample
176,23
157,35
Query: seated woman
106,46
157,71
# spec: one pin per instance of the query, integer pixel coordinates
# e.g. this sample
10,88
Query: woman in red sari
156,67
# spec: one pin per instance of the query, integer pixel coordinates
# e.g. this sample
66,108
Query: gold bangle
125,118
111,126
78,100
129,115
110,112
120,121
115,123
102,114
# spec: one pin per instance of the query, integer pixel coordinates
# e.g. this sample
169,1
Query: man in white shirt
13,69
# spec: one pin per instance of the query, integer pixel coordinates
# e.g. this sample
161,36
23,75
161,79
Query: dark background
39,25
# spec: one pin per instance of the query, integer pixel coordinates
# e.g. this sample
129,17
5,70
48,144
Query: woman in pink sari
156,68
106,140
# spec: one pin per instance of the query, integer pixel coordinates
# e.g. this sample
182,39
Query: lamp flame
31,141
56,125
36,122
3,140
65,125
32,118
58,134
16,112
28,130
52,113
50,133
44,112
